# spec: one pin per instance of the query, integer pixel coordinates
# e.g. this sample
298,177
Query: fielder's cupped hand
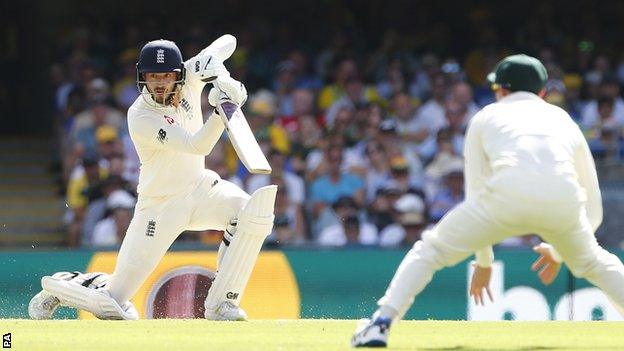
479,282
547,263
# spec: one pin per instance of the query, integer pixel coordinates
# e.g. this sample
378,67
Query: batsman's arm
155,132
588,179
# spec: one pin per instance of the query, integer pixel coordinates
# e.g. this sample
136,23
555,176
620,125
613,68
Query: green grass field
173,334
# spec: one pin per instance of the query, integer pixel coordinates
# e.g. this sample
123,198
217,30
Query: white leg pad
255,223
99,302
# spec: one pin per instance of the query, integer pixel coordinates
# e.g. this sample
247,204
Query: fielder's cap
519,73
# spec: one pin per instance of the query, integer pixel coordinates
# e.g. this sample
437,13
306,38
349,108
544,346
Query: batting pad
255,223
98,302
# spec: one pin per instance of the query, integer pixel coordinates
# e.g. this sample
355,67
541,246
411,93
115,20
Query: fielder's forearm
485,257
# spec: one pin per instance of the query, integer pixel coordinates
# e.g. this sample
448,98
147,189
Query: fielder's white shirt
523,147
172,142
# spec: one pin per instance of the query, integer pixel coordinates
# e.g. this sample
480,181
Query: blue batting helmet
160,56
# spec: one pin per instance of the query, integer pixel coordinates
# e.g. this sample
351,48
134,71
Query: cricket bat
236,125
242,138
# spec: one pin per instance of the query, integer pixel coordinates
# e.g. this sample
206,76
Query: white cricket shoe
226,311
371,333
42,305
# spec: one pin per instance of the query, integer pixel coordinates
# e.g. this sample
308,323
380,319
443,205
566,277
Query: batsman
176,192
528,169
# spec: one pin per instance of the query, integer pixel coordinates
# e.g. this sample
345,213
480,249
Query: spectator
289,224
400,176
394,82
83,177
606,144
439,167
350,230
454,130
283,86
124,89
410,218
421,85
87,122
461,92
97,208
606,117
108,143
304,79
449,194
262,112
432,112
325,190
303,105
410,128
294,183
394,147
354,93
378,170
111,230
380,209
609,89
345,70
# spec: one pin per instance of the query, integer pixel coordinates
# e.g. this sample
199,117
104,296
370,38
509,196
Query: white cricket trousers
158,221
490,218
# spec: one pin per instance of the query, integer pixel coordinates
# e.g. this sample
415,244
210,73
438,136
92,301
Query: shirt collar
519,95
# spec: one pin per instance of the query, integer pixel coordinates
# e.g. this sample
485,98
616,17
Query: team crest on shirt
170,120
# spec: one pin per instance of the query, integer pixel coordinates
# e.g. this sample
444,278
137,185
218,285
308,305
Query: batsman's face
160,84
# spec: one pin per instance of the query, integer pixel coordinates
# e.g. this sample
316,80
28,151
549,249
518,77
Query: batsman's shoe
226,311
88,292
371,333
42,305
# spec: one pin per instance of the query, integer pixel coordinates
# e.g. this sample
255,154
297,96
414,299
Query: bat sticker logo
229,108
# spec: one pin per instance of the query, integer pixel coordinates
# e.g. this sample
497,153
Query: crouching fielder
528,170
176,192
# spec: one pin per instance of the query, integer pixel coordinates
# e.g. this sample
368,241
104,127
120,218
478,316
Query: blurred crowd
366,148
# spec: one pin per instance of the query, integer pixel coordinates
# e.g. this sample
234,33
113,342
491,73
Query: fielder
528,169
176,193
